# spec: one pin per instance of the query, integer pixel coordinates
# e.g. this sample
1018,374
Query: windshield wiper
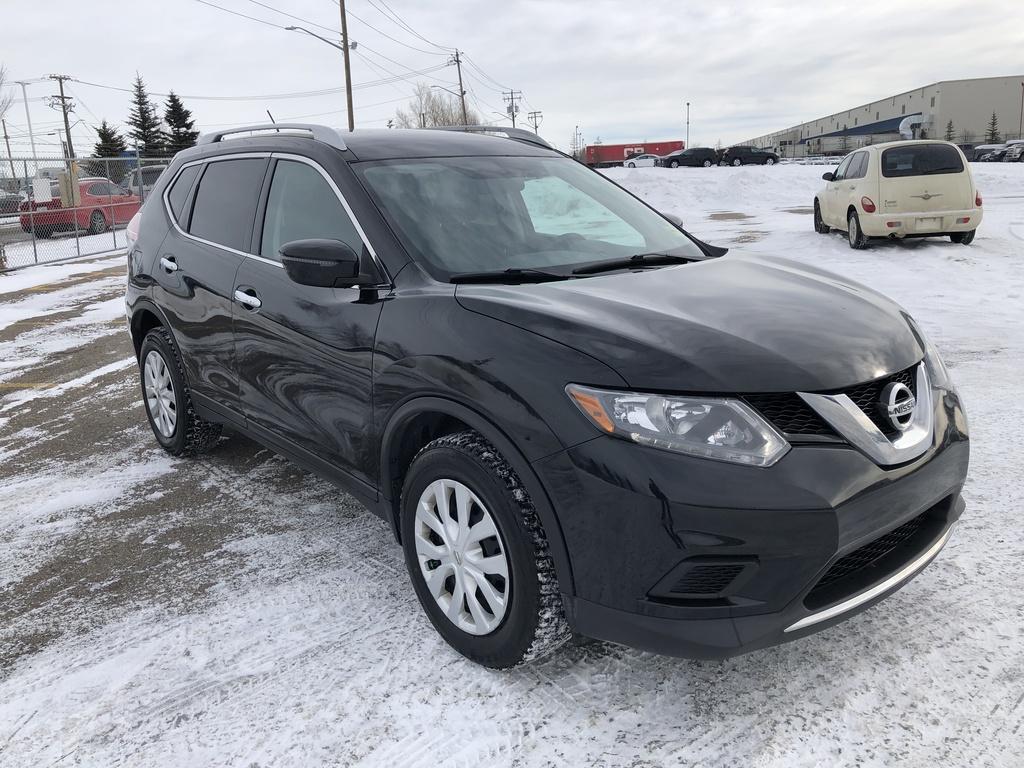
636,261
527,275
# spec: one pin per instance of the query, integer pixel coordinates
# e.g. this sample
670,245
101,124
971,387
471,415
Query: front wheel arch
417,422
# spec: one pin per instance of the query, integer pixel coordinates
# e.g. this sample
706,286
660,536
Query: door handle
169,264
248,300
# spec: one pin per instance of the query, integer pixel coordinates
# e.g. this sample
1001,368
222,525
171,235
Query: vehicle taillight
867,205
131,233
977,197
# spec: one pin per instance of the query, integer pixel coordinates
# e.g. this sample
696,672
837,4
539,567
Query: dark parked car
748,156
694,156
9,202
572,414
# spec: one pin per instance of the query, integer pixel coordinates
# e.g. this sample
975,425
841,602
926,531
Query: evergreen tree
950,131
182,133
144,123
992,135
110,142
110,145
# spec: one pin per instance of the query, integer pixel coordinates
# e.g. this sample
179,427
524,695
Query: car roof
381,144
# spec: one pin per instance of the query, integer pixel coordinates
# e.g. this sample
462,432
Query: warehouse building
921,113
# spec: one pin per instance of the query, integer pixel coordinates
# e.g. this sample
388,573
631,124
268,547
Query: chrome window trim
165,199
341,198
857,600
849,421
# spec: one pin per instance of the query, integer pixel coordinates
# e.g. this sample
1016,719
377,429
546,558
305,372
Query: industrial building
921,113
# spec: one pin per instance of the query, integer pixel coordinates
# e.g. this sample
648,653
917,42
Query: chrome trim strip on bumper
906,572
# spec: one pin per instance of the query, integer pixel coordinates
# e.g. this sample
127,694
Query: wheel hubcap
159,389
461,556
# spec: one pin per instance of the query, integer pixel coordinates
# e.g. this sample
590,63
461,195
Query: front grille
790,414
866,398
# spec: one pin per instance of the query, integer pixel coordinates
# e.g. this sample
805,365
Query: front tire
477,554
819,224
963,238
769,161
674,164
167,401
858,240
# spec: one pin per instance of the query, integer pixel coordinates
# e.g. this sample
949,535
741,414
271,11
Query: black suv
694,156
574,415
748,156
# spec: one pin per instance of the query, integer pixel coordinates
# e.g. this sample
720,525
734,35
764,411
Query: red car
104,204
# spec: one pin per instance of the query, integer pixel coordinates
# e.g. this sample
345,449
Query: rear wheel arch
417,422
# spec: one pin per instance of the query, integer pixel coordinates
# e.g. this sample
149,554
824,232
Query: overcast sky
618,70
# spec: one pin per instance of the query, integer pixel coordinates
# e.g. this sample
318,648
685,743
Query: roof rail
521,134
318,132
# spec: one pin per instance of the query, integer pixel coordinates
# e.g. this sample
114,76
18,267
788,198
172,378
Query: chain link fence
52,208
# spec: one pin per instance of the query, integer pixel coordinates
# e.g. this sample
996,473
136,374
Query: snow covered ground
232,610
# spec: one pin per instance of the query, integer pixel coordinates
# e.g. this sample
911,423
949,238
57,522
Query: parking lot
234,610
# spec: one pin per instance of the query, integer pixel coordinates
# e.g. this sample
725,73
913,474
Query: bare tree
5,101
430,107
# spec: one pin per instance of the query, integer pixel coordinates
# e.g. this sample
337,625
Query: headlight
932,359
724,429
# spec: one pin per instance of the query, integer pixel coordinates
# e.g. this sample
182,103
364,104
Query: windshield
483,214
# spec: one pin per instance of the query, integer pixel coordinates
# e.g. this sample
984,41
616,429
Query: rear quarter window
921,160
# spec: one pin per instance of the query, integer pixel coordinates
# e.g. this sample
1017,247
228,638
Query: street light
28,117
344,49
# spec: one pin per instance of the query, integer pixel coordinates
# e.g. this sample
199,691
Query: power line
392,16
297,18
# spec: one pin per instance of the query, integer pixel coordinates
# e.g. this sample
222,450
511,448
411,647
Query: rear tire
819,224
707,163
477,554
858,240
97,223
736,161
963,238
166,398
631,165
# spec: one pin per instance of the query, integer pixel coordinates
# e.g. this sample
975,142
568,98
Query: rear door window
226,200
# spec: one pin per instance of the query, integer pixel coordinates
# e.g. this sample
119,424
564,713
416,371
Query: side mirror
321,263
828,176
677,220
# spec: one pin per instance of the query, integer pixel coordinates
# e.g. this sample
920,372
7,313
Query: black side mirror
828,176
321,263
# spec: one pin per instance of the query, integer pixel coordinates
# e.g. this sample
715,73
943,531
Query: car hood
742,323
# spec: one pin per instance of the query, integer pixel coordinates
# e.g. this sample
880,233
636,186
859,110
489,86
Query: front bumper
701,559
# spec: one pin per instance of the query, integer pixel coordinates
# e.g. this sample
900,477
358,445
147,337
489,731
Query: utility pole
535,119
512,97
65,108
7,140
687,145
462,93
348,68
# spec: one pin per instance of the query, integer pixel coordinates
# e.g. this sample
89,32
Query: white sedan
641,160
